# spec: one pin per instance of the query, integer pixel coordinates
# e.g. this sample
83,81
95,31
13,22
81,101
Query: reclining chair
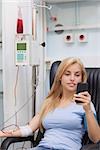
94,89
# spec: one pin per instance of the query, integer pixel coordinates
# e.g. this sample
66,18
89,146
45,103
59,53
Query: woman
64,121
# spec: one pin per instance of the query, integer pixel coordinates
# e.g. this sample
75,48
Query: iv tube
19,21
34,23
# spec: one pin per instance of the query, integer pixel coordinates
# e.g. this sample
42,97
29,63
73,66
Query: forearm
27,130
93,127
35,122
22,131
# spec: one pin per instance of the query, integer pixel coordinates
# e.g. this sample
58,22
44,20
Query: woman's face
71,77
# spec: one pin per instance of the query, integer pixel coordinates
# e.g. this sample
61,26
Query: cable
16,84
10,126
35,87
28,100
17,111
15,92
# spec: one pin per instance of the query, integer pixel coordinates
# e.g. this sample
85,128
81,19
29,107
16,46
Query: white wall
0,17
76,18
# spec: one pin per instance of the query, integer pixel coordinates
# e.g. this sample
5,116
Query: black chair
94,89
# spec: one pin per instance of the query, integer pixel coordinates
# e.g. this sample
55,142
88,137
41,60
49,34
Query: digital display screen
21,46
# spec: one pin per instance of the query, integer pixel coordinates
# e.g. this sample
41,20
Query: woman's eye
67,74
77,75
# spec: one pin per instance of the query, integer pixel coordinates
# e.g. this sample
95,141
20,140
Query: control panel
22,49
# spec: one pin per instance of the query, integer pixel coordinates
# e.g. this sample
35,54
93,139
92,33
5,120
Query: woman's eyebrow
78,72
68,71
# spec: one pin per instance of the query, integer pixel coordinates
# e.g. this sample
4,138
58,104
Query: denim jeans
91,146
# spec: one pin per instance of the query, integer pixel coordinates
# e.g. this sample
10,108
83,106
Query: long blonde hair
55,94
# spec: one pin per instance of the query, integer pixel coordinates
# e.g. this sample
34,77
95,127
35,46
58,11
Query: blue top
65,127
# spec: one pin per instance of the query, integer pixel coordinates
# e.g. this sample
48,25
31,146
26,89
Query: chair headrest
53,71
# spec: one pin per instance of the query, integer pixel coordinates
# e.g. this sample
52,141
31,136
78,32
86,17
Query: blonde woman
64,121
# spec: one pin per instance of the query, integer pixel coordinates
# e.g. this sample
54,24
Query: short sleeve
84,118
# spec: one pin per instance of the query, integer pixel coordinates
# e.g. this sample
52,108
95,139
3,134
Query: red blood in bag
19,25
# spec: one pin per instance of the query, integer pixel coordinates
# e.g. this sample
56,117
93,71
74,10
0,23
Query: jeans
91,146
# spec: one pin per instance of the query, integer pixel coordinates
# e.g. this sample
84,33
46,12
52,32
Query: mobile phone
81,87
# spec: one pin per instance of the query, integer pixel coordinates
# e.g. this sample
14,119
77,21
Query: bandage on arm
25,131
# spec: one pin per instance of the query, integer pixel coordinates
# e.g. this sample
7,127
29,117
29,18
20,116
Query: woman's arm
92,125
24,130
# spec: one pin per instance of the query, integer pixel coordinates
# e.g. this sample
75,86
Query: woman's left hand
85,99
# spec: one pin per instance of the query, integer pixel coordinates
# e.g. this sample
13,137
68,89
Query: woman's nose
72,77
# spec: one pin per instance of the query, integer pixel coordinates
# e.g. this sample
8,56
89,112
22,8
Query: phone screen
81,87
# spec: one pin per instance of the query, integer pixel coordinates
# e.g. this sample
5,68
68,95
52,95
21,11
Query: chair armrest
92,146
9,140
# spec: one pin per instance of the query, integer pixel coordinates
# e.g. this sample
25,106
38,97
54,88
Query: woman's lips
71,84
